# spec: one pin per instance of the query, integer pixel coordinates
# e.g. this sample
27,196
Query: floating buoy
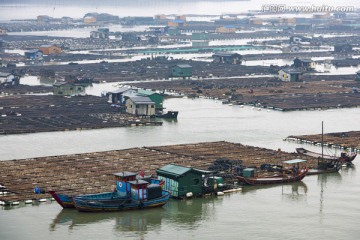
28,201
15,203
42,200
220,193
52,199
2,203
189,194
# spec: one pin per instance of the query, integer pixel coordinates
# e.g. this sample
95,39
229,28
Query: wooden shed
181,180
50,49
182,70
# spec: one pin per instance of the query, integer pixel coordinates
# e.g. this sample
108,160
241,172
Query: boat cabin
122,182
139,189
295,164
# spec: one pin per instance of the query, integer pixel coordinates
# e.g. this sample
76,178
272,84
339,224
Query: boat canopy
294,161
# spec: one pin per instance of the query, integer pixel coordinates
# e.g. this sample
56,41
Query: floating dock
92,172
345,141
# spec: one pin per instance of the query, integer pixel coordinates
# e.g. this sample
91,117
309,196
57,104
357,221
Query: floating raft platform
93,172
347,141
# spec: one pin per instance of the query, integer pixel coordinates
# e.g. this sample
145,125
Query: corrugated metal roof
125,174
120,90
146,92
184,66
2,74
293,161
138,182
175,169
138,99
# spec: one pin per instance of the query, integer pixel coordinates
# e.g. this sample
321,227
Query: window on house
152,106
196,181
137,106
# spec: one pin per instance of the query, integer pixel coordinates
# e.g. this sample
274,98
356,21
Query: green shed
182,70
157,98
68,89
181,180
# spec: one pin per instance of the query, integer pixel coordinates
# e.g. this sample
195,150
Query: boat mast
322,140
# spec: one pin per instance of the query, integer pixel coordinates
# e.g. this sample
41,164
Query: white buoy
42,200
52,199
2,203
28,201
220,193
15,203
189,194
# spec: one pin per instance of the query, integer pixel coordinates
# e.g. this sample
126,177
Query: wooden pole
322,140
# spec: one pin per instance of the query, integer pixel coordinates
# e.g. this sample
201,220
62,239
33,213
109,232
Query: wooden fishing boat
326,166
142,197
66,201
122,189
283,177
346,158
168,114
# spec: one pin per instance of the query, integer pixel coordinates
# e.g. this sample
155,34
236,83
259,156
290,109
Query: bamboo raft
92,172
346,141
29,114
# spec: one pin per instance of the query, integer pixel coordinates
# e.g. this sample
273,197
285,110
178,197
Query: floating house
8,79
230,58
119,96
50,49
182,70
140,106
290,75
226,29
157,98
34,55
307,64
176,23
358,76
68,89
181,180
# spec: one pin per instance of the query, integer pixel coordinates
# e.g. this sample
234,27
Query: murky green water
320,207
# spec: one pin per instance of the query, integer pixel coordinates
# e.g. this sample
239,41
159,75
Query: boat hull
85,205
62,199
273,180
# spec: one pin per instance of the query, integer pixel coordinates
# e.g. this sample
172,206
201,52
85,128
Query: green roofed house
181,180
157,98
182,70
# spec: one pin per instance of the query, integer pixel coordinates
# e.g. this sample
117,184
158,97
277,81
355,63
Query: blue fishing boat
121,192
143,196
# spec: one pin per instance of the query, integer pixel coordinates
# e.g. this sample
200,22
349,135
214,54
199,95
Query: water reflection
188,214
123,221
293,191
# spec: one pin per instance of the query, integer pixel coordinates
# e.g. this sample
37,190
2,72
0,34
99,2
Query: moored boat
168,114
121,192
326,166
143,196
282,177
346,158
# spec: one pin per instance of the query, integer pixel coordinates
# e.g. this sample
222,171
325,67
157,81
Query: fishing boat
121,192
168,114
143,196
282,177
346,158
326,166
